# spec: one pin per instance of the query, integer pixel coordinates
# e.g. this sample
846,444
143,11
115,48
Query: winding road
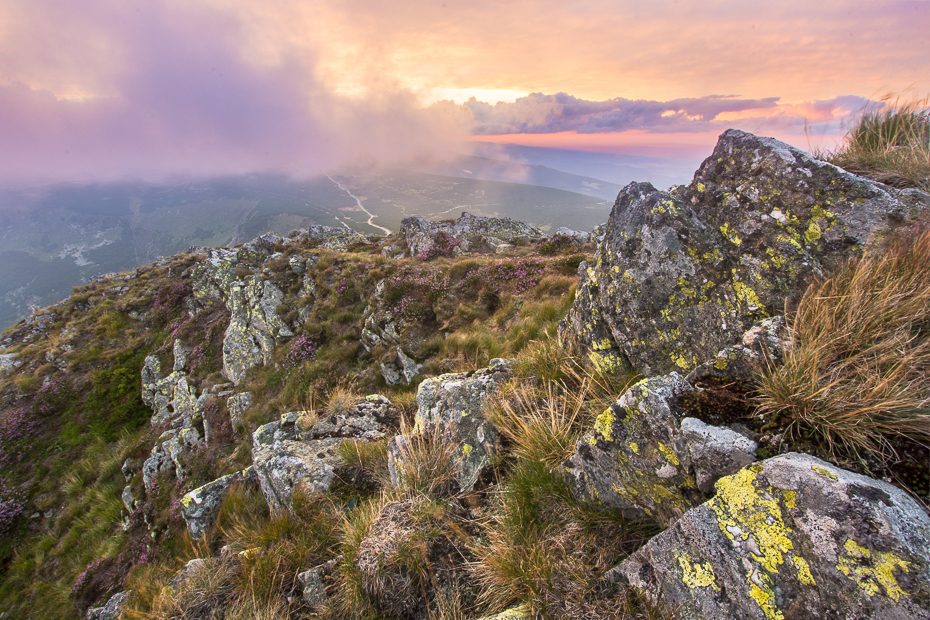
371,215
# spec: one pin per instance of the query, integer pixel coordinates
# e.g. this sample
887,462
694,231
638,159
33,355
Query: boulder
285,457
327,237
402,371
647,459
171,454
172,399
200,507
680,275
452,404
111,610
791,537
469,233
315,580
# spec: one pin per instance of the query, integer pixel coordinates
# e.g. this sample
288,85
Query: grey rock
583,237
715,451
237,405
791,537
185,574
200,507
680,275
391,374
254,327
113,608
9,363
129,499
397,449
452,404
314,582
180,356
409,368
284,465
636,459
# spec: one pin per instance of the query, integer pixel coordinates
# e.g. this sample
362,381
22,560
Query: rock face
327,236
792,537
649,460
470,233
452,404
680,275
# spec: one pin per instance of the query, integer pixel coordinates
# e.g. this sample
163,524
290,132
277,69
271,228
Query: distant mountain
55,237
488,169
613,168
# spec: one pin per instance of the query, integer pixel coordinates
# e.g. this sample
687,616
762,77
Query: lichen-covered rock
715,449
113,608
285,457
680,275
315,580
200,507
402,371
173,400
472,233
171,454
642,460
452,404
237,405
763,345
254,326
792,537
9,363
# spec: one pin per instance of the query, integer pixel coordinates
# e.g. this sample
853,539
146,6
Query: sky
107,89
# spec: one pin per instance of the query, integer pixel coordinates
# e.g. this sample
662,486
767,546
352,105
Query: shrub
443,245
858,371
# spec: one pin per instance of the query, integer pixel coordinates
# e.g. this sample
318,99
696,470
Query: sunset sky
101,89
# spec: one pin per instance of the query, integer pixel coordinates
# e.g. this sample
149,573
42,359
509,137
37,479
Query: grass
858,371
890,144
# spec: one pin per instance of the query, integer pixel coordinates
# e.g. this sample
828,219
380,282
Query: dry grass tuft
341,400
859,368
890,145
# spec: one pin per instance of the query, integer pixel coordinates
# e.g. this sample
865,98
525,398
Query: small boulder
200,507
111,610
452,403
791,537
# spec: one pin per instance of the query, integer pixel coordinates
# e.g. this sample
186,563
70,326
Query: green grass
890,144
858,371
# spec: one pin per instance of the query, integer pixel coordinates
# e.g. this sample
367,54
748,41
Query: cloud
177,96
542,114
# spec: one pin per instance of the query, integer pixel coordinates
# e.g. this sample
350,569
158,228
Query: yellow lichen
604,425
634,447
697,575
748,297
669,454
824,472
873,571
750,513
813,233
730,234
466,449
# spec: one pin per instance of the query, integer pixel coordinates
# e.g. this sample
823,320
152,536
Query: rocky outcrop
791,537
237,405
173,400
647,459
680,275
401,370
469,233
452,404
254,327
171,454
327,236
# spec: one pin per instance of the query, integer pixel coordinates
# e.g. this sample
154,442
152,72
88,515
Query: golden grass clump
890,144
858,370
